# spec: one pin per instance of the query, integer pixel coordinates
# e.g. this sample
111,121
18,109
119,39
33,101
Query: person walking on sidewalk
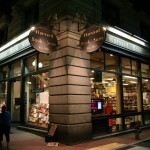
5,122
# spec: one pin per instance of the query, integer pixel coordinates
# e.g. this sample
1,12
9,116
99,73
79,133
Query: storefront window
111,62
145,70
130,93
129,66
43,61
4,73
30,64
146,93
97,60
16,69
105,97
3,94
37,93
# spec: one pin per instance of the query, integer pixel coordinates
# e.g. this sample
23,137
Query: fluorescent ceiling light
130,77
92,78
146,80
28,82
125,84
40,65
132,81
109,79
105,82
127,36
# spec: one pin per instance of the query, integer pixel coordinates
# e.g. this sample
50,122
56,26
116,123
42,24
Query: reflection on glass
16,69
4,73
146,93
97,60
130,121
145,70
129,66
43,61
30,64
130,93
111,62
37,91
147,119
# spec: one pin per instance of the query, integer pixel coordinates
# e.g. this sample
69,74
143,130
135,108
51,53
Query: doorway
15,100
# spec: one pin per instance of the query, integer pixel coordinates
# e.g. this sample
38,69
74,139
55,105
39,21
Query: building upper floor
20,15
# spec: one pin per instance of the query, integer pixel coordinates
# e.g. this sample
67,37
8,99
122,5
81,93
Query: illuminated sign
43,40
14,49
128,45
92,38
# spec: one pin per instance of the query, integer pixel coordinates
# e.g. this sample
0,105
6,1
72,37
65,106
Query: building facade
85,93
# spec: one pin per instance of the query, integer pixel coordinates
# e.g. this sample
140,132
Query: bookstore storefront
119,83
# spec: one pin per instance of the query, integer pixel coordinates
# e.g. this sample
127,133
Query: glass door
15,100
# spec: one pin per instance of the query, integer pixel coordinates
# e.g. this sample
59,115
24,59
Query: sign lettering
92,38
43,40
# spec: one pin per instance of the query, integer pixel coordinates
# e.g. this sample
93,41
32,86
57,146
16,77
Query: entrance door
15,100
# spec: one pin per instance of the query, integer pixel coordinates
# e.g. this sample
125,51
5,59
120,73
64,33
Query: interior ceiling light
40,65
105,82
130,77
109,79
91,78
132,81
111,54
125,84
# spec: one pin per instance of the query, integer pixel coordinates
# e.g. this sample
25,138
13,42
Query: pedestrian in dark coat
5,122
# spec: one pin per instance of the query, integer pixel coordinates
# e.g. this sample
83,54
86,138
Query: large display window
43,61
37,93
15,69
130,93
129,66
30,64
97,60
105,91
111,62
145,70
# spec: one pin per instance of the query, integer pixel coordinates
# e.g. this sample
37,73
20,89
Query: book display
130,98
146,97
39,114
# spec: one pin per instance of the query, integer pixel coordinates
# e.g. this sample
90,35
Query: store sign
43,40
92,38
120,42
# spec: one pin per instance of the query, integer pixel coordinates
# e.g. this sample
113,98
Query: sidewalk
21,140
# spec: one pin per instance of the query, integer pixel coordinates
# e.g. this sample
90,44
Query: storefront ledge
38,132
95,137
